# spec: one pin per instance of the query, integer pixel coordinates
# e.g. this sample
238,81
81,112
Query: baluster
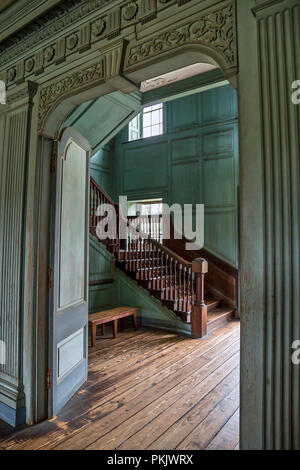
157,266
152,265
171,294
175,285
199,309
167,277
91,209
159,279
94,210
180,288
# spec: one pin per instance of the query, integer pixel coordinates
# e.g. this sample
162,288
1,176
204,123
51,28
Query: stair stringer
152,312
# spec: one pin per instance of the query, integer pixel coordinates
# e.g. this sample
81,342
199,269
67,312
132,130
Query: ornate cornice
216,30
47,25
89,20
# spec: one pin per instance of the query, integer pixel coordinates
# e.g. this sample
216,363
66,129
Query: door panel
72,227
69,297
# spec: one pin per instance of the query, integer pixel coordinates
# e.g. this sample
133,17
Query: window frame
141,127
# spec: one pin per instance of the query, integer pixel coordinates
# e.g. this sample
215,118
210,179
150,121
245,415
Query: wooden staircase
177,283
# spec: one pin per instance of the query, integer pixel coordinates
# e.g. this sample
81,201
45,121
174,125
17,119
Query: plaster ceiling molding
176,76
47,25
215,30
129,11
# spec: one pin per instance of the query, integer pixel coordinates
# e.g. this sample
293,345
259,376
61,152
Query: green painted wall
195,161
101,168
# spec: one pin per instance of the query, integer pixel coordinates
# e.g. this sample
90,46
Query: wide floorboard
151,390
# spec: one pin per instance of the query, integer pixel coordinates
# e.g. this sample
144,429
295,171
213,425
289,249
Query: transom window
149,123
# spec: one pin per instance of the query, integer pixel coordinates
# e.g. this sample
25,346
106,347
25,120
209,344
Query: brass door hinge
48,379
50,278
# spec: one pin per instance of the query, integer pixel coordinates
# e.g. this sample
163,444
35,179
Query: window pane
147,132
153,120
147,120
156,130
156,117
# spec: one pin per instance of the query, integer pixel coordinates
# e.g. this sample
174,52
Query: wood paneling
194,162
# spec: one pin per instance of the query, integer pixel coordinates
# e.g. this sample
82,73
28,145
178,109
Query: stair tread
212,302
218,313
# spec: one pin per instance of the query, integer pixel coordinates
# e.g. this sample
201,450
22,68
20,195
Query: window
149,123
147,217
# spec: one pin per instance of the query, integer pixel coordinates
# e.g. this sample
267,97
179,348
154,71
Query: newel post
199,309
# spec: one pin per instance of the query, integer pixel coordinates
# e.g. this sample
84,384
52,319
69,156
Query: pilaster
15,124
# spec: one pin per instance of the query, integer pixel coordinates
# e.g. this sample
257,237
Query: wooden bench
113,315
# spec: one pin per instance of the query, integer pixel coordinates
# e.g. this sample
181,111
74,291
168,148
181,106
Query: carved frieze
50,95
216,30
59,20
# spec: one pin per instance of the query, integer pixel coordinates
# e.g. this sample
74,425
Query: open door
69,293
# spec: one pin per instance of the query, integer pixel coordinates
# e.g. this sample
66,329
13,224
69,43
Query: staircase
177,283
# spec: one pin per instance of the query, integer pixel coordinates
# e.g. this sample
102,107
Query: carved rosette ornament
49,53
51,95
29,64
72,42
130,11
98,27
215,30
11,74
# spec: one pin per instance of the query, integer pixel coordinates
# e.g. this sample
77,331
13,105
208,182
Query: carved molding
216,30
106,24
50,95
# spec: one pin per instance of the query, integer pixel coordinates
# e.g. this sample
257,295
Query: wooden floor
149,390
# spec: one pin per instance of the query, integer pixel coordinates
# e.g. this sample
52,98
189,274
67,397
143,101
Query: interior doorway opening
195,159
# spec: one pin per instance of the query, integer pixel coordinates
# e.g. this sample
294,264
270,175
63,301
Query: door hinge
48,379
50,278
53,159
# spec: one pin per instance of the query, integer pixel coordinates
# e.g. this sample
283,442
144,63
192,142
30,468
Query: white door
69,293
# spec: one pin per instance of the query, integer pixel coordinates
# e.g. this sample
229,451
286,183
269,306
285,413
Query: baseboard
11,416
